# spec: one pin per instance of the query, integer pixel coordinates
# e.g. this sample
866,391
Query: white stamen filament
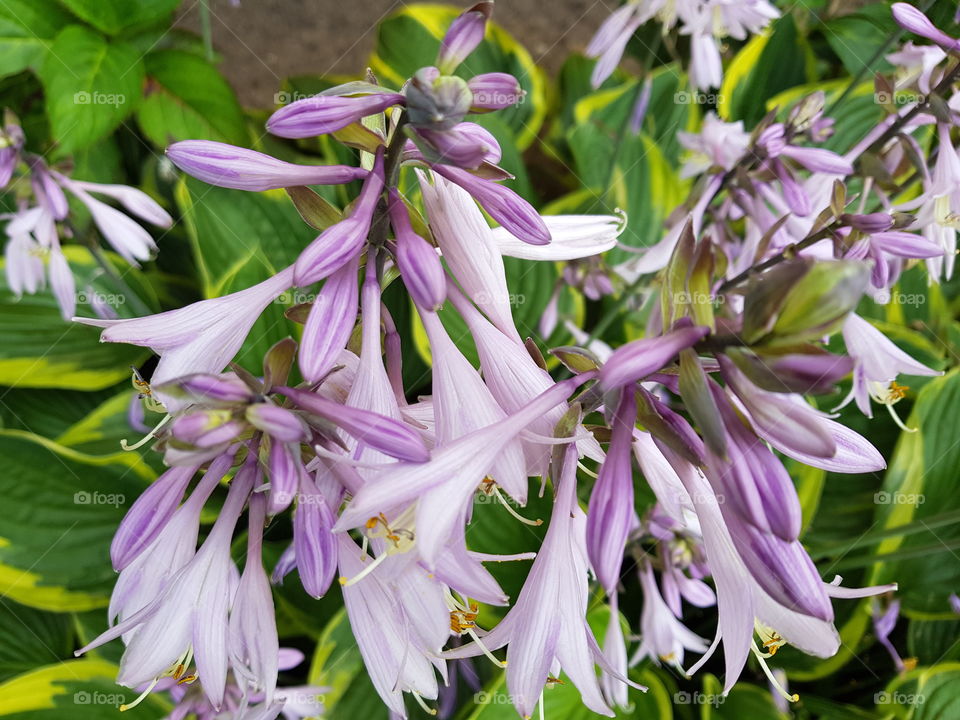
420,701
366,571
773,680
518,516
148,437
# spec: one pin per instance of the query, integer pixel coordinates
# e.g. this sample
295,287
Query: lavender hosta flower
11,143
611,38
469,249
718,145
878,363
505,206
883,624
539,642
199,338
664,639
323,114
340,243
751,478
515,380
640,358
573,237
494,91
611,516
148,515
615,653
463,36
189,614
448,480
253,645
383,433
419,264
233,167
467,145
916,65
150,566
47,192
382,633
314,544
330,322
910,18
23,264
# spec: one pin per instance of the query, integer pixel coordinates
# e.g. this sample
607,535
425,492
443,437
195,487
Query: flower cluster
381,487
33,252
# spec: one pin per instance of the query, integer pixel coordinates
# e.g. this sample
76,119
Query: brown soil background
264,41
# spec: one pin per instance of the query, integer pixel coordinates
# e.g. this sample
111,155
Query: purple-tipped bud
339,243
241,169
505,206
610,516
437,102
818,160
206,428
277,422
286,470
793,193
313,541
870,223
149,515
48,193
324,114
369,428
226,388
463,36
417,259
330,322
906,245
910,18
494,91
637,359
467,145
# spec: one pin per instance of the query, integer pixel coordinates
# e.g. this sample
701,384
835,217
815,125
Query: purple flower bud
610,516
324,114
467,145
48,193
336,245
637,359
286,471
206,428
417,259
463,36
330,322
797,200
241,169
818,160
314,544
376,431
494,91
226,388
871,223
277,422
505,206
910,18
149,515
437,102
906,245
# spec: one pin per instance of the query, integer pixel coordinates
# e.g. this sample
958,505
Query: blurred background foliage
102,86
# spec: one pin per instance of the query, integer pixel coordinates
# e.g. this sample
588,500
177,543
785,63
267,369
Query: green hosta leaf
858,37
26,27
91,85
336,660
767,65
921,483
934,641
39,349
931,693
31,638
76,689
409,39
240,239
112,16
186,98
744,701
47,412
60,513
